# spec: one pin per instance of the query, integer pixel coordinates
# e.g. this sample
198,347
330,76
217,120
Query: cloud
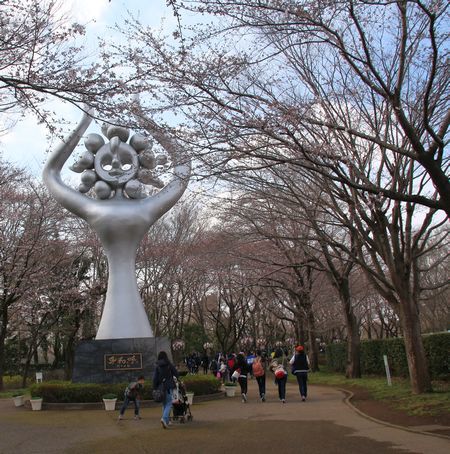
87,10
25,145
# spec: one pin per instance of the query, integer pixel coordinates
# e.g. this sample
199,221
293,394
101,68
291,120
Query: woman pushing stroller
163,377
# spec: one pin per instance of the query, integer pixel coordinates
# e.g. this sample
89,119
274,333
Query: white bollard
388,372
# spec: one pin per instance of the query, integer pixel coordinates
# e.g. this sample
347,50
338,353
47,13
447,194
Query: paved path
323,424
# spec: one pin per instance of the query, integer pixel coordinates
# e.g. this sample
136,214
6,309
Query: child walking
133,394
278,367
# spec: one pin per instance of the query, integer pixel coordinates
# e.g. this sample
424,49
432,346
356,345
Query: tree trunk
301,334
69,350
2,343
415,352
369,330
69,354
353,365
2,361
313,349
57,352
26,369
299,326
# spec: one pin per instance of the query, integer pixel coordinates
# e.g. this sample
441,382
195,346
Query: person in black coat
242,366
300,368
164,377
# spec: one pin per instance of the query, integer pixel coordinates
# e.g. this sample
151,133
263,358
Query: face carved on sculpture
116,163
119,169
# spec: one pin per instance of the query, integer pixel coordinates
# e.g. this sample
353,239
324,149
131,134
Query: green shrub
336,356
66,392
109,396
12,381
372,352
436,347
201,384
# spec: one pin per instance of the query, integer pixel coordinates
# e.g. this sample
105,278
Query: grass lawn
398,395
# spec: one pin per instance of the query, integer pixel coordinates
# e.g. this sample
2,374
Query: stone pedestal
117,360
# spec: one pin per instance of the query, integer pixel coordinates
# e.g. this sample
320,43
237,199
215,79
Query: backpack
257,367
131,390
280,372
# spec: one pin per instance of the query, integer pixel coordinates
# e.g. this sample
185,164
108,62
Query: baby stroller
181,409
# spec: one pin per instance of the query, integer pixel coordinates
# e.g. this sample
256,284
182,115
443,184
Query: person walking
242,367
278,367
223,371
259,372
163,376
231,363
214,367
300,368
205,363
133,394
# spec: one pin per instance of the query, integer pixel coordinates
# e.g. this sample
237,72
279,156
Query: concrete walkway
323,424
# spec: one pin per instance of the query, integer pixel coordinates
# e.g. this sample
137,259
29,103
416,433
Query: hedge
201,384
67,392
437,348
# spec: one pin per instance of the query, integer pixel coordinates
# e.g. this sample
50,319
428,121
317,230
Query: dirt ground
384,412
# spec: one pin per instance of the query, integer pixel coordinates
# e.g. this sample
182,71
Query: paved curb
347,400
100,405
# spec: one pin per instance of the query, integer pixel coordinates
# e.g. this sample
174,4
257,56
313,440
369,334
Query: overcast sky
26,143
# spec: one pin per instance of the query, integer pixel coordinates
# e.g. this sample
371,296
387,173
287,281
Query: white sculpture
119,173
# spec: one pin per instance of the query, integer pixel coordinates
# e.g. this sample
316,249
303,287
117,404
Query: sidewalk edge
347,400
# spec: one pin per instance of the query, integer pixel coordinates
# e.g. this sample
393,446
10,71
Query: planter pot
36,404
230,391
18,401
110,404
190,398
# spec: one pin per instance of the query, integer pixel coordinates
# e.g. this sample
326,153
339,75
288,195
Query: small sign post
388,372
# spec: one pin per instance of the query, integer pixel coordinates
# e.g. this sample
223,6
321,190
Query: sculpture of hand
122,213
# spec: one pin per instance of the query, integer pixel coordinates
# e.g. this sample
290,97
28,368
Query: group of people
277,364
236,368
194,362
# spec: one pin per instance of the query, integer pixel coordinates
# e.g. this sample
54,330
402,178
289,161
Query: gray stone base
90,367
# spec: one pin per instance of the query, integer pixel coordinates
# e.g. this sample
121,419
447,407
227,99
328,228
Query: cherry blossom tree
30,248
278,80
42,58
